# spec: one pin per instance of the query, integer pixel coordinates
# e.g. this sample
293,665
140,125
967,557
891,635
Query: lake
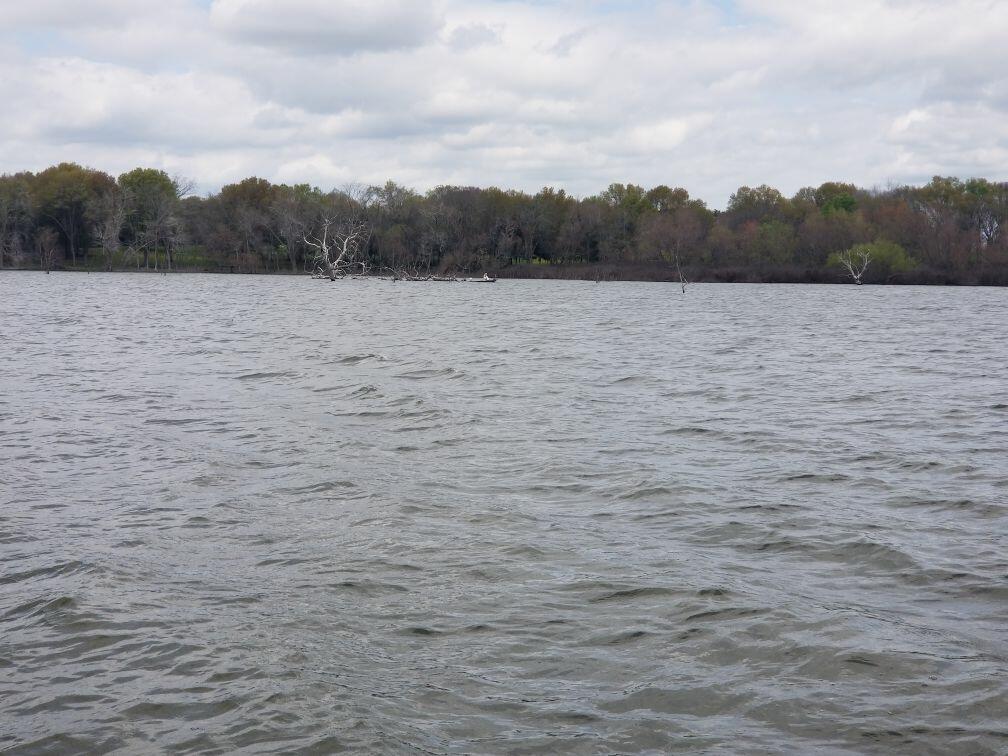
276,514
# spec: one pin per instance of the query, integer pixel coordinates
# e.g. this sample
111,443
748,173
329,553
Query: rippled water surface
277,514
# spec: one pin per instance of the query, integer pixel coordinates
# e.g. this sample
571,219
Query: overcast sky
708,94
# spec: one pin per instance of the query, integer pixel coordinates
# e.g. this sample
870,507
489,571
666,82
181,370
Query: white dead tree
339,248
109,217
682,278
856,261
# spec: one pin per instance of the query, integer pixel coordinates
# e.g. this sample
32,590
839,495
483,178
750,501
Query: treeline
72,217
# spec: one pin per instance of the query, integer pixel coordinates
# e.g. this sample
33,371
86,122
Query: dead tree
856,261
682,278
46,241
339,248
109,212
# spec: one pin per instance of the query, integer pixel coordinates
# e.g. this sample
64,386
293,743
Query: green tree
776,243
246,216
840,203
152,219
289,216
63,195
832,197
666,200
16,217
762,204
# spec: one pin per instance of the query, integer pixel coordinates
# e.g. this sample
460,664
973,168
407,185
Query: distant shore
950,231
603,273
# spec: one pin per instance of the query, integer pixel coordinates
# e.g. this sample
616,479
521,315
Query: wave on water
537,518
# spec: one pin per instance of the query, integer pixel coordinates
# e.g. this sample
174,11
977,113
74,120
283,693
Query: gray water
278,514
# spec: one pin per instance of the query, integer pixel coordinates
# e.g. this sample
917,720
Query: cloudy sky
706,94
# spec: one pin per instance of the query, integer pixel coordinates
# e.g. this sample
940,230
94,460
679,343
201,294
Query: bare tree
339,248
109,214
288,219
16,218
152,220
160,231
855,260
341,235
682,277
183,186
46,242
673,234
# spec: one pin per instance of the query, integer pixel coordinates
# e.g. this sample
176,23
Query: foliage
947,230
61,195
840,203
889,258
886,258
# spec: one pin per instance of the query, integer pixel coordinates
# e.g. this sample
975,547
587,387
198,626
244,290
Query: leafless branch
682,278
856,261
340,247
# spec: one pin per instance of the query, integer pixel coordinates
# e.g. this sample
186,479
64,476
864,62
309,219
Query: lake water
277,514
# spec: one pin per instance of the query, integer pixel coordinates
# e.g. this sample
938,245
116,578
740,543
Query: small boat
485,279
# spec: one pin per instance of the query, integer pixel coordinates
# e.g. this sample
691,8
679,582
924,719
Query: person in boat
486,277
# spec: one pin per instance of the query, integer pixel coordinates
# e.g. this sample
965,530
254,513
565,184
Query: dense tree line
73,217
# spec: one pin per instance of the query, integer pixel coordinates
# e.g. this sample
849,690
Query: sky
705,94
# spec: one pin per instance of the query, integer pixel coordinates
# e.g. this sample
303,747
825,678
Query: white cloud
60,13
318,169
973,137
904,123
658,137
468,36
334,27
521,93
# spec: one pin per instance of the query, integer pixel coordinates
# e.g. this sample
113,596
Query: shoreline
558,273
